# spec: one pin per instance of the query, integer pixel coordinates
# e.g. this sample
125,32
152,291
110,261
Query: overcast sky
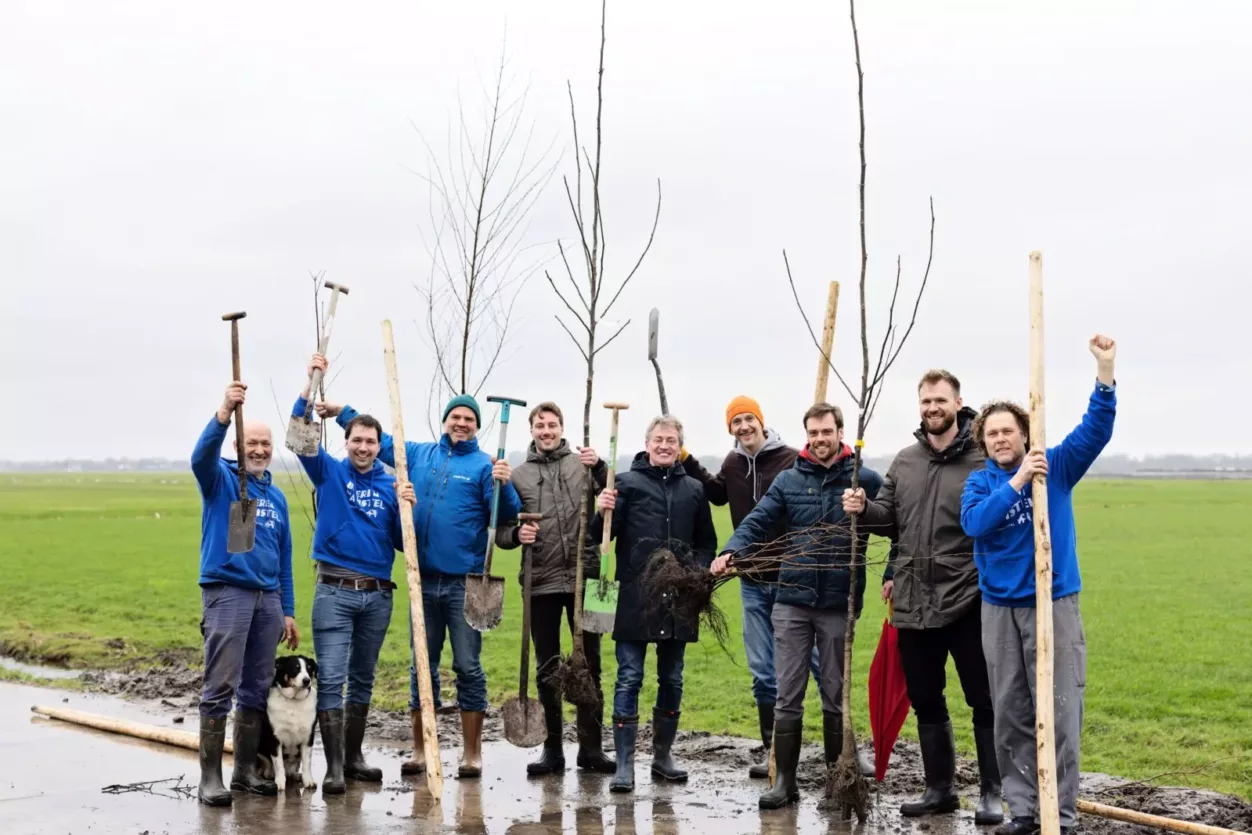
166,163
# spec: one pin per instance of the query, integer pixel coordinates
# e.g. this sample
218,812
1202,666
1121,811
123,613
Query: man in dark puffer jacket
813,587
655,506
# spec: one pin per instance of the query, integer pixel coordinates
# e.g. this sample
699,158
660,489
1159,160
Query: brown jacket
919,506
552,483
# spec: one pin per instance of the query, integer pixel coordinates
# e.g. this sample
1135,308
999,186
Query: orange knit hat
741,405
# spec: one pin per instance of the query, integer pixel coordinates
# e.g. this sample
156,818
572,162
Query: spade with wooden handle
600,599
303,433
524,724
241,530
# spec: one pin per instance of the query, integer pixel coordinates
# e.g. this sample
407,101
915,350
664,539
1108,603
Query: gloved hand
682,454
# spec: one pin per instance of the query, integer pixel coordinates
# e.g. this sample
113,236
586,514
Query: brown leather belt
369,584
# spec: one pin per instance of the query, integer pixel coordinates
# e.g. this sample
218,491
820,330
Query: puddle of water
36,670
52,773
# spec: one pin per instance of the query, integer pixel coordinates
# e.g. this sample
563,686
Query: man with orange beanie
758,456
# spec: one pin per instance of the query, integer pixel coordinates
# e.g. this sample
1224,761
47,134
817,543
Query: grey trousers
1008,638
796,630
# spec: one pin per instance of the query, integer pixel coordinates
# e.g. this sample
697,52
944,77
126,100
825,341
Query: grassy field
100,571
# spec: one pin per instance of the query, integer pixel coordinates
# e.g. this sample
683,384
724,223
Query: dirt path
176,688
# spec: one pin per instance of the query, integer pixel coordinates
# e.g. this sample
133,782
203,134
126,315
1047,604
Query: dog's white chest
292,718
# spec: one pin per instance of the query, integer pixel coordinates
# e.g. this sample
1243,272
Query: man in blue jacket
453,482
813,585
997,512
354,546
248,599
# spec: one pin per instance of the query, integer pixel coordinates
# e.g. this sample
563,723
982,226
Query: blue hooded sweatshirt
268,565
358,515
454,487
1001,520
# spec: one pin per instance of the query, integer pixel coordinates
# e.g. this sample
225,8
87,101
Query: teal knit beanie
466,401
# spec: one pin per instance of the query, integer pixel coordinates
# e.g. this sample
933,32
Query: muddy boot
416,764
212,741
247,738
472,744
1018,826
787,758
664,730
990,801
625,728
939,764
765,713
330,723
590,725
354,765
553,757
832,736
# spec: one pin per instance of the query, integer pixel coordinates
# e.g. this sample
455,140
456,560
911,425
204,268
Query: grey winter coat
919,506
552,483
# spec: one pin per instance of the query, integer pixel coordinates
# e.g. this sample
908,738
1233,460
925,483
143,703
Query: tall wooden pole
430,738
1045,706
828,342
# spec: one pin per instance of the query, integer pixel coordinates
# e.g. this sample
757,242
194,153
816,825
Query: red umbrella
888,696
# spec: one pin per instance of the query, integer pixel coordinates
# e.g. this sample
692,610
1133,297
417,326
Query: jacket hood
533,453
458,448
805,460
964,434
772,441
642,464
264,480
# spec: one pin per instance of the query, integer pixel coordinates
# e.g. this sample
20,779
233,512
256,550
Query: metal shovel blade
654,325
484,601
599,606
523,722
241,532
303,436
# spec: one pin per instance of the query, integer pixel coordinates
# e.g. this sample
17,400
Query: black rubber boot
832,736
787,738
590,745
354,765
625,728
247,739
1018,826
664,730
765,713
330,723
212,742
990,801
552,759
939,764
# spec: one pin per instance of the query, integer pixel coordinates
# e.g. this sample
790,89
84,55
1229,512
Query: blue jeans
349,626
443,605
241,629
758,640
669,676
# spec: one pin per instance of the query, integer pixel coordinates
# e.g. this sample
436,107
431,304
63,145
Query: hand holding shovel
241,529
303,433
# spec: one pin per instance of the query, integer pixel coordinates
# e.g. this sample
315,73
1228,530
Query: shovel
484,594
654,327
523,717
241,531
600,599
303,433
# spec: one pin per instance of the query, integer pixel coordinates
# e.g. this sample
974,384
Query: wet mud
52,773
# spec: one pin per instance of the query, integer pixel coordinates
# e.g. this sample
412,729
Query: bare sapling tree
846,788
480,201
593,297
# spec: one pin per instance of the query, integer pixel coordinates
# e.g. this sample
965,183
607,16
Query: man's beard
944,426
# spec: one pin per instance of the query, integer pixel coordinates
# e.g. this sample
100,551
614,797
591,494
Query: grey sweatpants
796,630
1008,639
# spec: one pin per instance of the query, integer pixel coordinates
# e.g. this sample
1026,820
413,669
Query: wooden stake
430,738
1045,706
828,342
125,727
1144,819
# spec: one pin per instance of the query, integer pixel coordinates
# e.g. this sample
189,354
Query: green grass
100,571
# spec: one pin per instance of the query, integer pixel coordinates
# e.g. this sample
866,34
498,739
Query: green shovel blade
600,601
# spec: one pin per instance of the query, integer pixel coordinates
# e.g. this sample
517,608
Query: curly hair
995,407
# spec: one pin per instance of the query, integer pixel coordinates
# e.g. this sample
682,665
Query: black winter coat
656,508
818,573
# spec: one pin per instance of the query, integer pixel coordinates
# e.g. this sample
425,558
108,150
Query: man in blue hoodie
453,482
354,546
249,602
997,513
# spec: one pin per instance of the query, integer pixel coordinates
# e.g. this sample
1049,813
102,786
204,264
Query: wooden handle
612,405
324,342
828,343
421,661
524,677
529,517
234,318
612,479
1144,819
231,317
336,287
1045,710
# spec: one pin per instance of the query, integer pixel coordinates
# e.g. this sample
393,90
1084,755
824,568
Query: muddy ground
719,797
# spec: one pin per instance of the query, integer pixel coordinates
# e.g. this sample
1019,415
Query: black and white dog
285,751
